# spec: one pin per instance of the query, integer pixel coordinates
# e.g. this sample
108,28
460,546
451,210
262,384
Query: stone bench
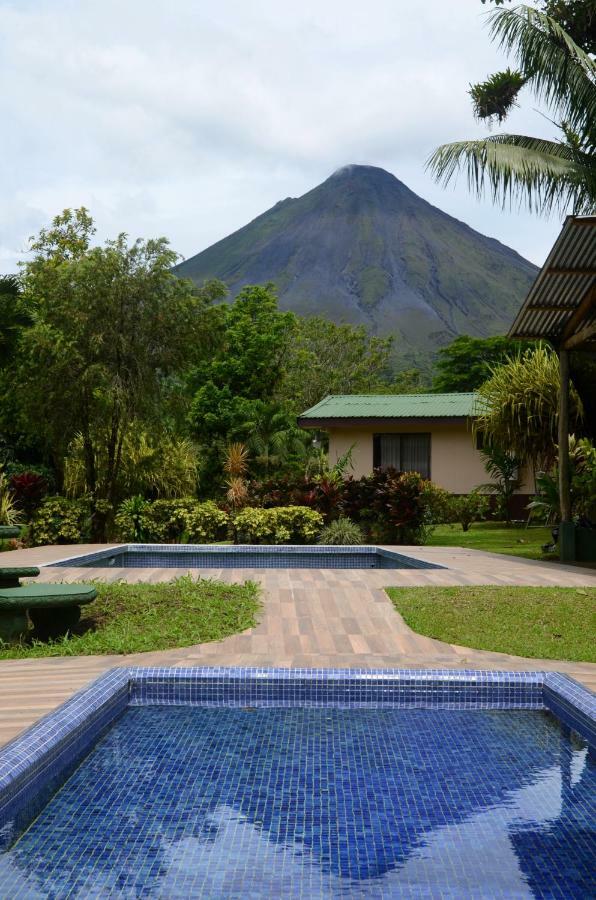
10,575
53,609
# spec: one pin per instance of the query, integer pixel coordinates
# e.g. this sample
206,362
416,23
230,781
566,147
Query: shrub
206,522
171,521
468,508
60,521
436,501
388,505
131,520
29,489
278,525
342,531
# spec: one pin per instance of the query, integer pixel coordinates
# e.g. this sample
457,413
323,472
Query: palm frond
560,72
545,174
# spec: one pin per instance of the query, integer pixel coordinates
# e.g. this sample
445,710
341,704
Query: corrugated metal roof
561,304
392,406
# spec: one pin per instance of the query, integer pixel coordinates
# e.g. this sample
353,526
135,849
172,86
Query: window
404,452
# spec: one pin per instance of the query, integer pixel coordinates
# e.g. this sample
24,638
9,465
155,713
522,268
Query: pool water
181,802
208,556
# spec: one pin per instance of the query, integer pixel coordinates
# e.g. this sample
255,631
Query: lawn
544,622
495,537
131,618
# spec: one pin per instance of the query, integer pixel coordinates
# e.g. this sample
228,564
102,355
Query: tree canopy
109,326
467,362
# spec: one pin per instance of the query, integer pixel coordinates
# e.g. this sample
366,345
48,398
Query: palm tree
546,174
274,437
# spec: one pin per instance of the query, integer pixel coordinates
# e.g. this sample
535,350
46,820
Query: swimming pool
305,783
214,556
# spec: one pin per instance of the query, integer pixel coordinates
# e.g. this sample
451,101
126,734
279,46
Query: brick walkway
311,617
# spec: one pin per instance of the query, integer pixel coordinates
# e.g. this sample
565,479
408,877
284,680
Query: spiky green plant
10,514
547,175
518,406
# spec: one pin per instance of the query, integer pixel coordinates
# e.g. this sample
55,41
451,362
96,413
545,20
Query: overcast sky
188,118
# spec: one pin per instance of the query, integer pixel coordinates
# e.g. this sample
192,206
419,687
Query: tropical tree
465,363
274,436
545,174
518,408
111,326
327,358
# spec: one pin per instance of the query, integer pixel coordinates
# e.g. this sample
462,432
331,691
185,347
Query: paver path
311,617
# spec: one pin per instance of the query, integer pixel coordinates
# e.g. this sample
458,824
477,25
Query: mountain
363,248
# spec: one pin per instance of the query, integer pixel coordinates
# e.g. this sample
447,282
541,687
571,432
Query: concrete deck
311,617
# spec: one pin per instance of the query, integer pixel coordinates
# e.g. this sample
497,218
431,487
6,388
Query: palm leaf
560,73
546,174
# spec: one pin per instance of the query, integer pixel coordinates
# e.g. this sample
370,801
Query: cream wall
455,464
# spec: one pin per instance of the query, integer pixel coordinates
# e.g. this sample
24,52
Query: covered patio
561,308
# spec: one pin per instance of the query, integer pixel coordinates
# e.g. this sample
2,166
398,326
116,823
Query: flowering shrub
60,521
278,525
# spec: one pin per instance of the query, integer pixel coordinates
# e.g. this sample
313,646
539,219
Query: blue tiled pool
208,556
264,783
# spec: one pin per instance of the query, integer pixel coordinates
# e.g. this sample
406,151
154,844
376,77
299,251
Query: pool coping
47,752
238,551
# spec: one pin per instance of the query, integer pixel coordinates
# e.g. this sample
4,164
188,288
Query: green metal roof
392,406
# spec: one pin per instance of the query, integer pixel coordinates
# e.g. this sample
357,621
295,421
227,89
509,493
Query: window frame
401,434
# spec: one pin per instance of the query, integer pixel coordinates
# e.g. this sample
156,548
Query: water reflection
183,802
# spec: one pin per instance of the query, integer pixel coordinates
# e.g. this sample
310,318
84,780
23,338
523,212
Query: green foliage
546,175
154,465
171,521
465,509
130,520
583,483
518,407
436,502
60,521
388,505
577,17
494,98
467,362
342,532
111,327
327,358
234,383
582,459
279,525
136,618
10,514
503,468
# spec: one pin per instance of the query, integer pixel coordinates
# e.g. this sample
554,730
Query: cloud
188,119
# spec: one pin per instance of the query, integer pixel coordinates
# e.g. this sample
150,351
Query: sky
188,118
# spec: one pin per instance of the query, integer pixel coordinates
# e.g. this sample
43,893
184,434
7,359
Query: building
427,433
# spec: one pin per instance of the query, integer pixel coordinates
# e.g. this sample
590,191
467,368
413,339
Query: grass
494,537
543,622
131,618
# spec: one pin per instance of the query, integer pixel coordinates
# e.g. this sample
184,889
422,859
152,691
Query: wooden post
566,527
564,476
